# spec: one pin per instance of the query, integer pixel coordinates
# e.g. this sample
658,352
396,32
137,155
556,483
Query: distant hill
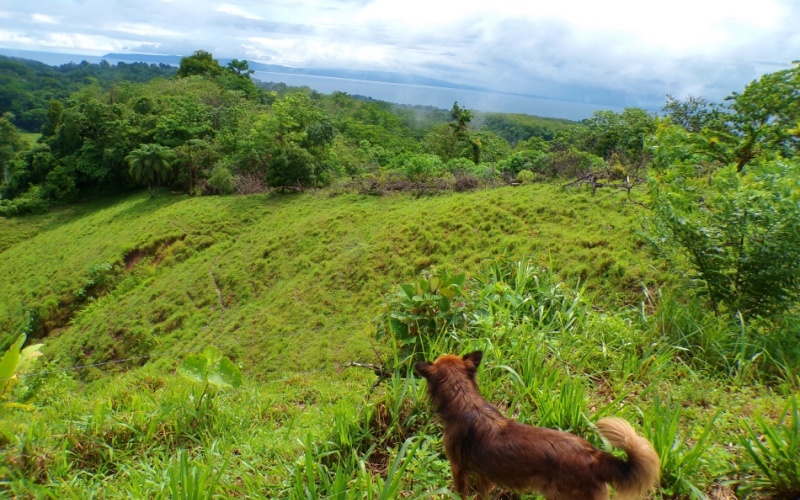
27,86
377,76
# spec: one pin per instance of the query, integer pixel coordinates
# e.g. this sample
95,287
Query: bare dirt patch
132,258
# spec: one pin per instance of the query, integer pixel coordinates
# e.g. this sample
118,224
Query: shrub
30,202
98,279
460,165
291,167
420,167
523,160
222,180
526,177
741,235
568,162
419,312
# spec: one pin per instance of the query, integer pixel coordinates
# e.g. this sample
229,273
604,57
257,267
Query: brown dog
479,440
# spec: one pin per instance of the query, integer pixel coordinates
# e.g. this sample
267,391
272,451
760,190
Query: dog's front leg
460,480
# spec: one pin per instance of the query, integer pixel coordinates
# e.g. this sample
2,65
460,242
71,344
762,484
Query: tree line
210,128
27,87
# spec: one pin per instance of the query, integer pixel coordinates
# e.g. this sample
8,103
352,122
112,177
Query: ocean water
441,97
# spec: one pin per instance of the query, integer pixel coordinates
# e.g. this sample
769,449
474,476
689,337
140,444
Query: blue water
441,97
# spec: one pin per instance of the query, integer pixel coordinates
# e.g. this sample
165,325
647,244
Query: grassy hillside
120,291
300,276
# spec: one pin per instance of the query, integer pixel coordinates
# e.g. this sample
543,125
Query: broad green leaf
195,367
9,364
408,290
422,286
28,356
225,374
398,327
211,354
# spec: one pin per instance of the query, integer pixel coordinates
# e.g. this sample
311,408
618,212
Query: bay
441,97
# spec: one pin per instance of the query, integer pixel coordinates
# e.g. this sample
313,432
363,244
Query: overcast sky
631,52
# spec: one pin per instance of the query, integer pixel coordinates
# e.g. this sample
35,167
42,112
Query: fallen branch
381,371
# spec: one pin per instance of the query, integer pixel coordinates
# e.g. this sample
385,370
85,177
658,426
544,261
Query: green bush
567,162
741,234
222,180
290,167
526,177
419,167
31,201
522,160
461,165
420,312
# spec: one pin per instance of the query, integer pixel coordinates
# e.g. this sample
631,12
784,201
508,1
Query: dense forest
211,129
27,87
165,338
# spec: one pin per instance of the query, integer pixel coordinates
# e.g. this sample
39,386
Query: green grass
288,287
30,137
296,280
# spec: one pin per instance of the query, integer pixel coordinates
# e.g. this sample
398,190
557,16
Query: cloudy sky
621,52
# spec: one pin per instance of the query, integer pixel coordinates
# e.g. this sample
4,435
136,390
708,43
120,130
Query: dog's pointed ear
424,368
474,358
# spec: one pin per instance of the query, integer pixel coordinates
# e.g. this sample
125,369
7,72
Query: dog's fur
500,451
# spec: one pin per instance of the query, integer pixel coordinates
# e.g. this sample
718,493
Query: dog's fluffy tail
634,477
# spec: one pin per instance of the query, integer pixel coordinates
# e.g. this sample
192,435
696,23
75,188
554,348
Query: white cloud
613,50
43,18
233,10
679,27
320,53
142,29
61,41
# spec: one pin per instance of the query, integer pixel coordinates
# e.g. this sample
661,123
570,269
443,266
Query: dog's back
478,439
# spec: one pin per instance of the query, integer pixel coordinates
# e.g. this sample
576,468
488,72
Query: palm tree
150,163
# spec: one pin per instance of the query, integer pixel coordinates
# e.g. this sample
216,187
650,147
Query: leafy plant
558,399
98,278
774,450
14,363
741,236
682,459
515,291
526,177
759,123
150,163
390,487
221,180
291,167
210,368
423,310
